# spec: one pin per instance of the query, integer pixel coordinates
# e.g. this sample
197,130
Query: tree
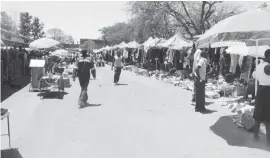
117,33
25,24
7,23
56,34
59,35
196,17
164,18
37,28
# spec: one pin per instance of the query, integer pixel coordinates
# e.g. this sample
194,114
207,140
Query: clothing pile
243,113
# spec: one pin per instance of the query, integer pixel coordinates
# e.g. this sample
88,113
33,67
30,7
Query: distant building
98,43
13,39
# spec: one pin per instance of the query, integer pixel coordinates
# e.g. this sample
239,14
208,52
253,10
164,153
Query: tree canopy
164,18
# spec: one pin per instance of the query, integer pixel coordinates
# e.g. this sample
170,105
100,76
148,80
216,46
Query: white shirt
263,79
202,71
197,55
118,61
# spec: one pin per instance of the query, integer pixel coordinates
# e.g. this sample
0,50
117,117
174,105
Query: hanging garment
170,56
125,54
234,62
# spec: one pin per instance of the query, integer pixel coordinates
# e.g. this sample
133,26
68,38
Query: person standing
117,64
196,57
262,107
200,79
84,64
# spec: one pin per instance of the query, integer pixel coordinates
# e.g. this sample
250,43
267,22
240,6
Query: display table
56,81
6,115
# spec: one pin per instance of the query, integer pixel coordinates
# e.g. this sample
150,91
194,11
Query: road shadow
122,84
52,95
208,103
10,153
90,105
8,89
236,136
208,111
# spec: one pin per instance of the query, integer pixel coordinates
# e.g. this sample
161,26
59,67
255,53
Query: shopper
117,64
262,107
200,80
84,65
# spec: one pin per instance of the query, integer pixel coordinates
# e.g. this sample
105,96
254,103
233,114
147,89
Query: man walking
200,80
117,64
84,64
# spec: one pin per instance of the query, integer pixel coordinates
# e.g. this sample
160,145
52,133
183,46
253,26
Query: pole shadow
90,105
122,84
236,136
10,153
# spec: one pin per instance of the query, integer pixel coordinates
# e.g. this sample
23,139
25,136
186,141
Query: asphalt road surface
142,118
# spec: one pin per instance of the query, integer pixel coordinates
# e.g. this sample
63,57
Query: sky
81,19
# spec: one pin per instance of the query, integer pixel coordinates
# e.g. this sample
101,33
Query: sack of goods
247,120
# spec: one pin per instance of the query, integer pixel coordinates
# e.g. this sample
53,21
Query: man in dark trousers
83,64
117,64
200,80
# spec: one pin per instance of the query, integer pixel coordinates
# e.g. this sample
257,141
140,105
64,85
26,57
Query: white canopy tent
122,45
133,44
177,42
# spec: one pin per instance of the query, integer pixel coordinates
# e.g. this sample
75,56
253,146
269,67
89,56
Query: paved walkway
142,118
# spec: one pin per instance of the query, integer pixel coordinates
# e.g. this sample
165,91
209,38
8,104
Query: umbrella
244,50
43,43
61,52
247,26
177,42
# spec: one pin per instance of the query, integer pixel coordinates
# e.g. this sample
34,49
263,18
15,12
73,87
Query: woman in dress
262,107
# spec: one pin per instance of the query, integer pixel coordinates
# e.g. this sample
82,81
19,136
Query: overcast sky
80,19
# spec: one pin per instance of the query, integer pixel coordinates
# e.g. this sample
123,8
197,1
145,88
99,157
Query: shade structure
133,44
107,48
43,43
61,53
244,50
147,43
177,42
161,42
247,26
122,45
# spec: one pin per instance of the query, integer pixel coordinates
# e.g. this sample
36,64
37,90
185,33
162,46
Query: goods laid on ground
242,112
